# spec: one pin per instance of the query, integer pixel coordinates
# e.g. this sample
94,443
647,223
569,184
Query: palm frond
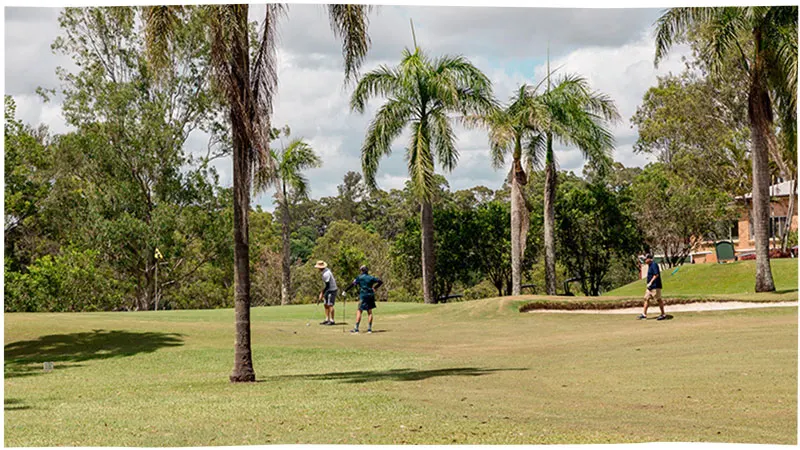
671,27
725,26
420,162
298,183
299,156
459,85
350,23
579,117
160,23
265,67
535,148
443,140
387,125
426,94
383,81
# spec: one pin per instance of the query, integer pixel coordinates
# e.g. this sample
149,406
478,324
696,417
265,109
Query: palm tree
770,61
517,129
571,113
423,94
577,116
288,180
248,88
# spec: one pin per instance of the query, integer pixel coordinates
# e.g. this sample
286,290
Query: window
776,224
734,234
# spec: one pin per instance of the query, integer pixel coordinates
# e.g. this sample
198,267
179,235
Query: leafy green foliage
698,128
345,247
461,258
595,225
675,214
73,280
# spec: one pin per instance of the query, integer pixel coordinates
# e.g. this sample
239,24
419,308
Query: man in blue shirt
366,288
653,290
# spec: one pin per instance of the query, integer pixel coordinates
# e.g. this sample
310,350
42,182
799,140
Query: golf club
344,309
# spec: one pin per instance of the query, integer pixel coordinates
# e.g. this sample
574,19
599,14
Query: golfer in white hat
328,293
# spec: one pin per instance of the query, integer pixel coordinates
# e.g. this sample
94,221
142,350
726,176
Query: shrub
402,294
484,289
72,280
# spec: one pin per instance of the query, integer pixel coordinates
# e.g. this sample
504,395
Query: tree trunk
760,114
519,226
787,227
427,252
243,359
549,219
286,282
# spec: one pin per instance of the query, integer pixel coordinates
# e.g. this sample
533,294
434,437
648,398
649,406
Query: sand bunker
700,306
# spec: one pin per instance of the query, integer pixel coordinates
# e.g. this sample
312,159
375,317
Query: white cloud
31,109
624,73
389,182
613,48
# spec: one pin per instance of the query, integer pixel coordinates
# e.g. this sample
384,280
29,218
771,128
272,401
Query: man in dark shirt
366,287
653,290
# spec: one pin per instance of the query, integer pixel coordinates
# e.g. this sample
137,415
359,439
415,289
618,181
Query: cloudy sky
612,48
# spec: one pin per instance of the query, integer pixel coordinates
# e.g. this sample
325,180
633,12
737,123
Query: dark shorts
330,298
367,303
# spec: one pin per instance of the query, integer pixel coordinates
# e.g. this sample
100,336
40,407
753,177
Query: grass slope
717,279
468,373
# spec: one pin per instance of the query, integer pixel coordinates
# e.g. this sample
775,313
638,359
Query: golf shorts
652,294
329,297
367,303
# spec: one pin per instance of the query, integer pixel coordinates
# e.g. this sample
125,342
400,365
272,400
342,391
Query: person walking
328,293
653,290
366,284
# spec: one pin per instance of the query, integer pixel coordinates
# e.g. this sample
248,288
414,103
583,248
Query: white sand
700,306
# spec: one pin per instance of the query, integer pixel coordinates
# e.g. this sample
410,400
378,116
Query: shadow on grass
392,375
14,404
23,358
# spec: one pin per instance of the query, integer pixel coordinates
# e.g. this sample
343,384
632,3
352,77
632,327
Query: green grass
468,373
736,278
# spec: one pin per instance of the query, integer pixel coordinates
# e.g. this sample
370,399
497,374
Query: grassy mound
605,303
704,280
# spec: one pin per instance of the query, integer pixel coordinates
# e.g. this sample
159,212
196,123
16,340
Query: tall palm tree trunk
286,284
427,252
550,219
243,359
760,114
787,227
520,221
